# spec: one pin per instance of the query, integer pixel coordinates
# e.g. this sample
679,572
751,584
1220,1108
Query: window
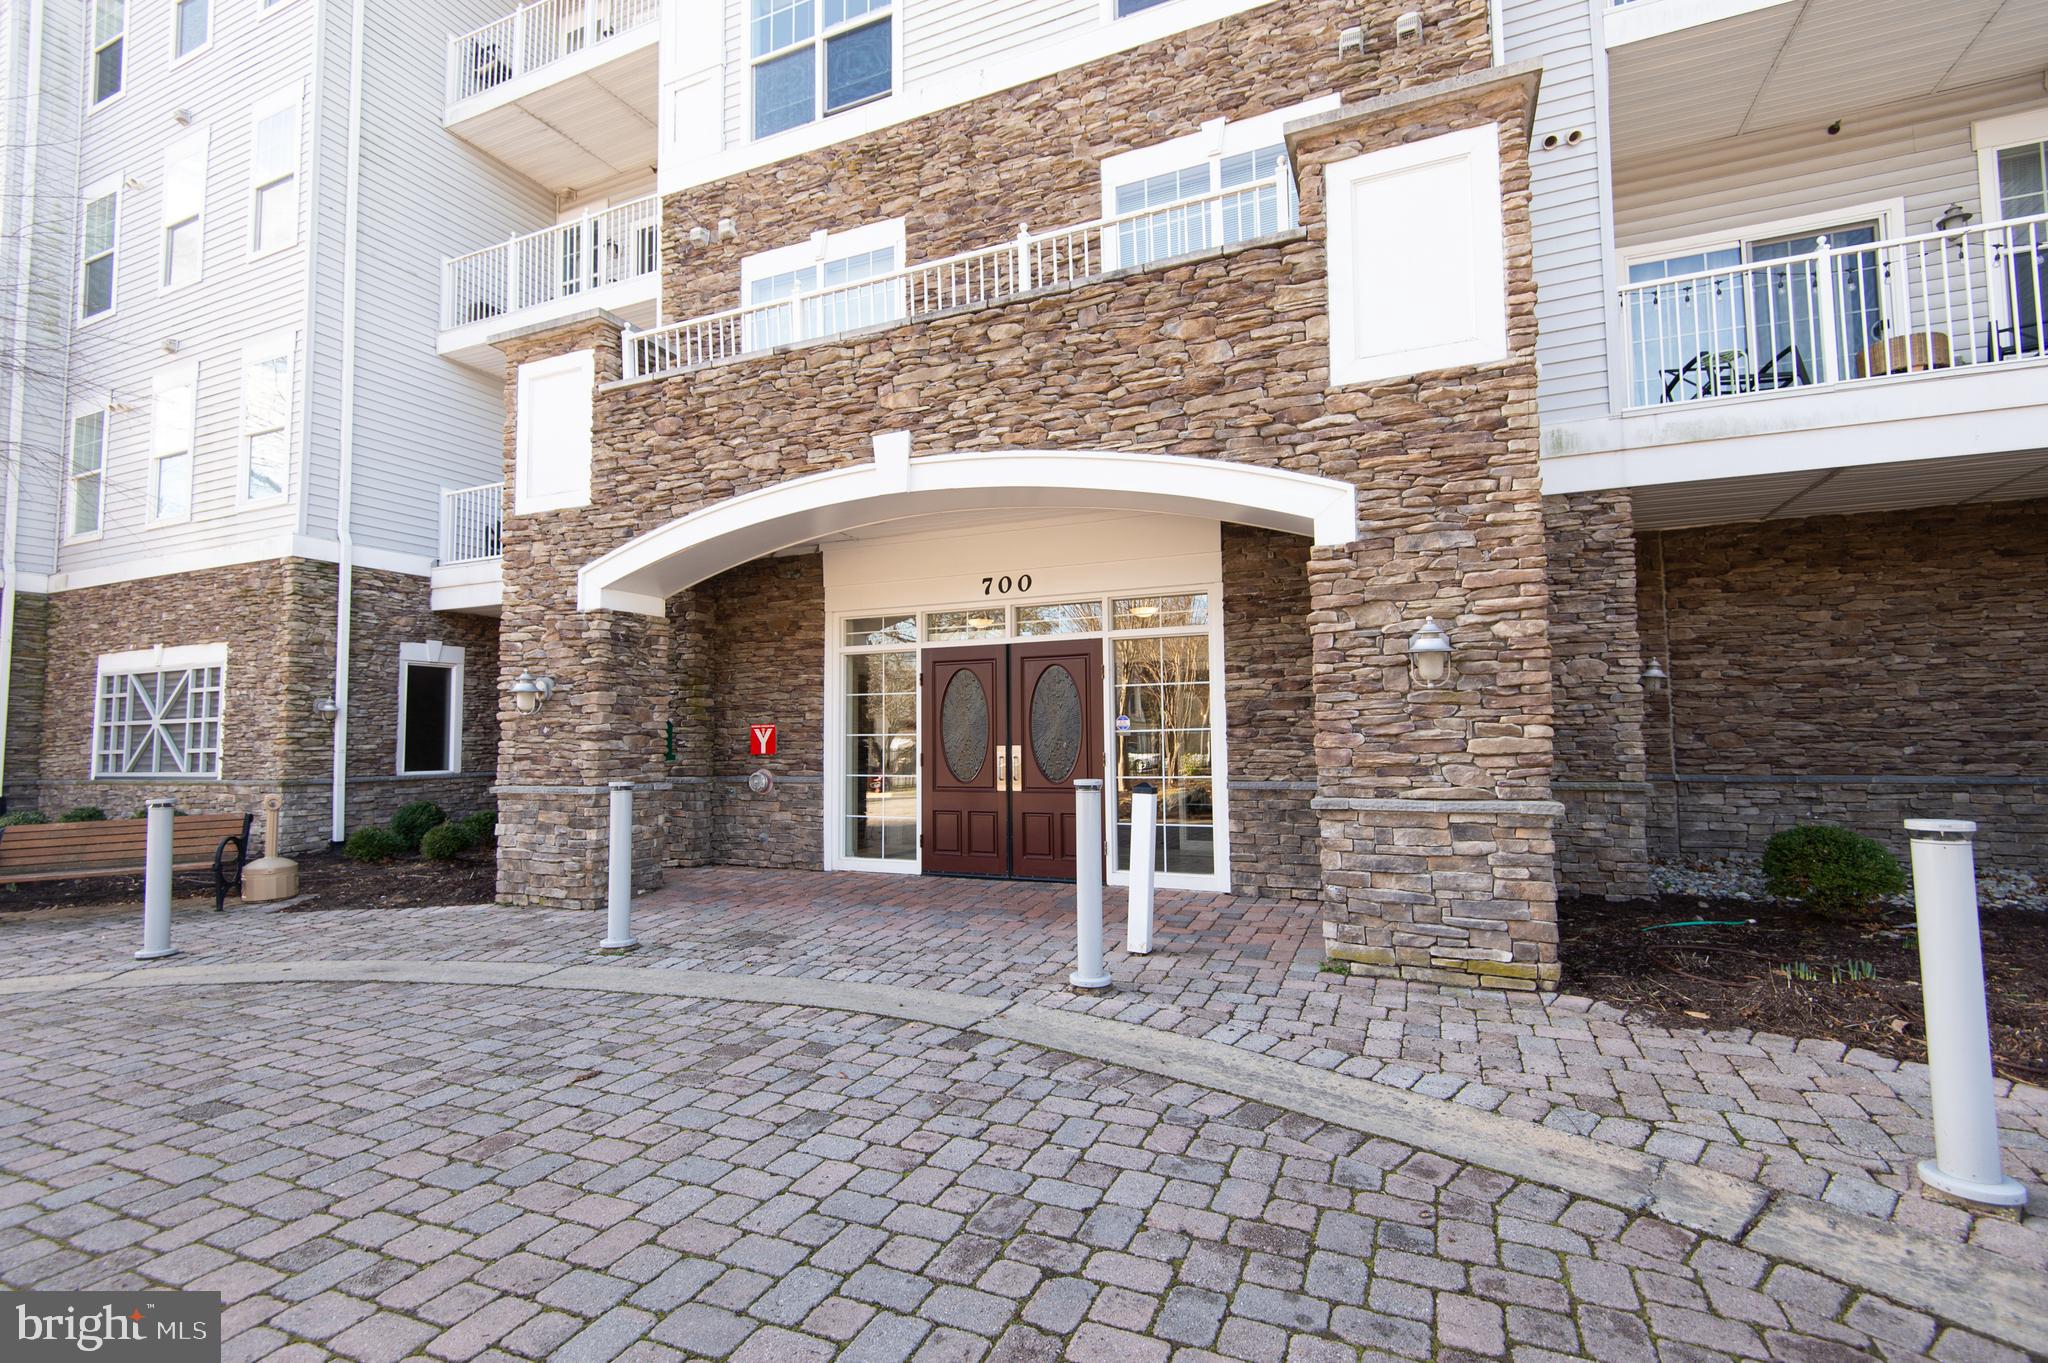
2012,172
109,19
266,417
813,55
184,201
96,267
159,713
429,709
1124,7
170,461
274,171
85,486
189,27
829,266
1163,733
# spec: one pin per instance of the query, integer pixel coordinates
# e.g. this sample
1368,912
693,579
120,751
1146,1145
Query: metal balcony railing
555,263
1030,260
535,36
472,523
1849,314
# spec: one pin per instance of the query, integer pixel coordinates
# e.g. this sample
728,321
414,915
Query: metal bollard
1088,969
619,892
156,883
1144,829
1966,1164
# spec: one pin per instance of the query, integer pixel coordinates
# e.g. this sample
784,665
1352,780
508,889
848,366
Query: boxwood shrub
1831,871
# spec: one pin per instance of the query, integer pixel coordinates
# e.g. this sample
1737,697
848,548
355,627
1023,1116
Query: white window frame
160,659
819,114
191,148
72,476
1110,14
822,247
93,47
108,188
178,57
271,346
164,383
288,99
1991,136
449,659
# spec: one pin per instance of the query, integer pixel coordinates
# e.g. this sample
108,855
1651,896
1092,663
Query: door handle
1002,767
1016,766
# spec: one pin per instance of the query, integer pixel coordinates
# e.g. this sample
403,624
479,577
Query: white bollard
1966,1163
1088,969
1144,830
619,892
156,883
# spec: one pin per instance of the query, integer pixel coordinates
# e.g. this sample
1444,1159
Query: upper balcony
609,259
469,574
563,91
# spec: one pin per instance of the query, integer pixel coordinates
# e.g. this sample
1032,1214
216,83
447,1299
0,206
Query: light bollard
619,891
1966,1164
156,882
1144,827
1088,968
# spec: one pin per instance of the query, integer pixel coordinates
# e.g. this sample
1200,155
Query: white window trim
1991,136
1218,138
174,658
109,186
292,98
173,377
273,343
818,248
1110,16
165,222
92,61
431,654
582,363
212,19
71,475
817,39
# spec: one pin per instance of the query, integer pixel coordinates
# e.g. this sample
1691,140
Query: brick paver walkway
1806,1117
379,1172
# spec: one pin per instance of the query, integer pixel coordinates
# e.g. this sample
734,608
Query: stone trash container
270,876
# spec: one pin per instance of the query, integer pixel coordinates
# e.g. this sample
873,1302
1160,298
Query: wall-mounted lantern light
326,706
1655,678
529,693
1429,653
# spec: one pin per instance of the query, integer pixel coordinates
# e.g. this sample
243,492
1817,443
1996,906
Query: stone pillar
1597,662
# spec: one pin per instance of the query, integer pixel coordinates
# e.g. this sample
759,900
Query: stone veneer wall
1858,670
1267,660
25,692
1596,669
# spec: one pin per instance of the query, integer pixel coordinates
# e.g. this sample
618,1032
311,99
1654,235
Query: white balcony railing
537,35
1848,314
554,263
1030,260
472,523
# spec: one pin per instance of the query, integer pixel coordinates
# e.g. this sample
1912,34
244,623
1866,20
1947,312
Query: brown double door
1008,729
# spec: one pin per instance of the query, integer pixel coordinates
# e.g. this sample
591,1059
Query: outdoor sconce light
1429,653
326,706
529,693
1655,678
1955,216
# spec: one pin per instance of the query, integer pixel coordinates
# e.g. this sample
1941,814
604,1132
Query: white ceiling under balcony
573,124
1687,72
2010,477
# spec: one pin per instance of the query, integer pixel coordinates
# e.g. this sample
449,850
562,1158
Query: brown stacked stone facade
1267,659
27,670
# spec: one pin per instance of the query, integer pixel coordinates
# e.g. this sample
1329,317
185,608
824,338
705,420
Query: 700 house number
1003,586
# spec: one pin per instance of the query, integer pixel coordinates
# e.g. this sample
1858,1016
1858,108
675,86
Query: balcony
1026,263
609,260
468,576
563,91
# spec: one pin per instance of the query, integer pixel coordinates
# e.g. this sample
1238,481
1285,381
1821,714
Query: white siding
942,36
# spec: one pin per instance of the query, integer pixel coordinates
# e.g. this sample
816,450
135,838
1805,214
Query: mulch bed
1802,976
327,880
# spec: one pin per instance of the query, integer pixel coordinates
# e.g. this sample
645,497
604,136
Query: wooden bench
114,847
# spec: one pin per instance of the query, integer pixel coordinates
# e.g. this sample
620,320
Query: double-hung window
266,417
158,713
102,220
820,284
85,485
109,25
190,26
171,442
184,203
274,173
816,57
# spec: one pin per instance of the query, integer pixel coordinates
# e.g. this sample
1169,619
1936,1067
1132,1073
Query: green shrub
83,814
1831,871
412,821
374,844
482,825
21,817
445,842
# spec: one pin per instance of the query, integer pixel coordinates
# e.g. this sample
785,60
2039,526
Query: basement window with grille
158,715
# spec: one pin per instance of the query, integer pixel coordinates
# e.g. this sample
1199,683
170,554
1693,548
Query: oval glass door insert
963,726
1056,724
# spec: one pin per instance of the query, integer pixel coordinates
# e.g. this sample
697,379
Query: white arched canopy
641,575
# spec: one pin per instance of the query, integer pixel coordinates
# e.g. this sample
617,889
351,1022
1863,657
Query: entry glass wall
1160,687
881,738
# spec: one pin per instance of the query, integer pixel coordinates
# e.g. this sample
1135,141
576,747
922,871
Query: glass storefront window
1068,617
951,626
1161,612
881,750
880,631
1162,688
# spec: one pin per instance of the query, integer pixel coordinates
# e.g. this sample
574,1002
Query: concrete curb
1958,1283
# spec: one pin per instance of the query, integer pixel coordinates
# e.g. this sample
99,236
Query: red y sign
761,740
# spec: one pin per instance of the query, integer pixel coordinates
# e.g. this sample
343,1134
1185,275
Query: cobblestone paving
378,1172
1800,1116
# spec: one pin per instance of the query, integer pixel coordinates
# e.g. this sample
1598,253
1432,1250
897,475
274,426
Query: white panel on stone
553,459
1417,276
